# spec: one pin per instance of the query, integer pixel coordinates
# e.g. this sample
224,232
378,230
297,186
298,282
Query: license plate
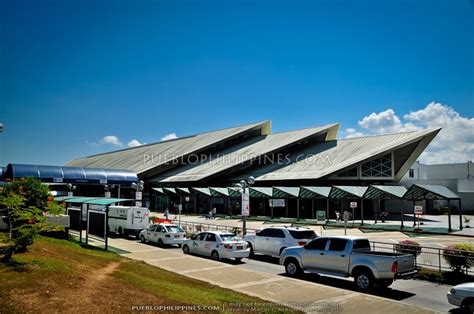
240,247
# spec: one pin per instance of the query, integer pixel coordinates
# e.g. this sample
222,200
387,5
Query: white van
128,220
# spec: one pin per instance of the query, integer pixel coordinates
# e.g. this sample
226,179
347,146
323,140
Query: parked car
128,220
163,234
272,241
348,256
462,295
217,245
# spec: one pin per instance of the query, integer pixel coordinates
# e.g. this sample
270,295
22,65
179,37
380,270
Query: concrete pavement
298,294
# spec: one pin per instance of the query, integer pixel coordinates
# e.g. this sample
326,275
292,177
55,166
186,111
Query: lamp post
71,188
245,201
138,187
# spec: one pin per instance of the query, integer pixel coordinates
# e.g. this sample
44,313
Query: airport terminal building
199,171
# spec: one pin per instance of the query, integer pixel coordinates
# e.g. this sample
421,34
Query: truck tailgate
406,263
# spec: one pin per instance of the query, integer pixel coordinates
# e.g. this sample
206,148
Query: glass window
174,229
411,173
265,233
302,234
152,228
378,168
201,236
230,237
277,233
337,244
361,244
159,228
317,244
211,237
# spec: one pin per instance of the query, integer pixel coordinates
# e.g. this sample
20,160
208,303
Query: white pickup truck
348,257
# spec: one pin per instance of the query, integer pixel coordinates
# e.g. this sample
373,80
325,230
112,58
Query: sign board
103,181
84,212
276,202
346,216
58,180
321,215
245,204
70,194
418,210
187,198
138,196
138,203
353,204
107,195
180,208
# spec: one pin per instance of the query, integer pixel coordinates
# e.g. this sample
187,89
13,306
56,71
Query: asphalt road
418,292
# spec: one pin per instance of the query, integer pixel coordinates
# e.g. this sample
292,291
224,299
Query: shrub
459,256
408,247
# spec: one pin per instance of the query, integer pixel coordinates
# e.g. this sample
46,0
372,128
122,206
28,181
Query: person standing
166,213
214,212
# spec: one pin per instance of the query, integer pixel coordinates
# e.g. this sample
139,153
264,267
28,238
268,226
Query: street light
245,201
138,187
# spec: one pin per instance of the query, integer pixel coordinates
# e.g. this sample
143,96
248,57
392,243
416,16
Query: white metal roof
244,151
322,159
145,157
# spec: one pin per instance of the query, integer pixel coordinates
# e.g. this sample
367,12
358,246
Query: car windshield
230,237
174,229
302,234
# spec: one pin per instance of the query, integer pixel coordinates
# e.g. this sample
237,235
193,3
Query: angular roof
244,151
322,159
142,158
428,191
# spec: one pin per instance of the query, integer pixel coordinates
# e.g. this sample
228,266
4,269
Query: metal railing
193,227
430,257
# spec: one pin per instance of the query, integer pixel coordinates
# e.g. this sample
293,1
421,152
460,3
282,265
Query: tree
27,203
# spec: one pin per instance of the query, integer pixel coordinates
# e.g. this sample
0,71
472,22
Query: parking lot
263,277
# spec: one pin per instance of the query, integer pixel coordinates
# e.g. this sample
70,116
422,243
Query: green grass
67,277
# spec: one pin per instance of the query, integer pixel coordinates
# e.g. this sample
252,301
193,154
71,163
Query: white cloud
170,136
351,133
454,143
386,122
112,140
134,143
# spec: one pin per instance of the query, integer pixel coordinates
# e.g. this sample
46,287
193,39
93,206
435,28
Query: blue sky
73,72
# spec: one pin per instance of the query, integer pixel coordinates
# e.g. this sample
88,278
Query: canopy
79,199
170,190
106,201
59,174
261,192
234,192
314,191
183,191
425,191
205,191
385,191
347,191
159,190
281,191
219,192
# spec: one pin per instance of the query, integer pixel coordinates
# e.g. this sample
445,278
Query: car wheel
292,268
160,243
364,280
186,249
252,253
238,259
142,239
468,305
215,255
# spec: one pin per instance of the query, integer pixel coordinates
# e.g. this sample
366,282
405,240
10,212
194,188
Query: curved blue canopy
60,174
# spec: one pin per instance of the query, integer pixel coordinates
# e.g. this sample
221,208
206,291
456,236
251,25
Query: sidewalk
297,294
